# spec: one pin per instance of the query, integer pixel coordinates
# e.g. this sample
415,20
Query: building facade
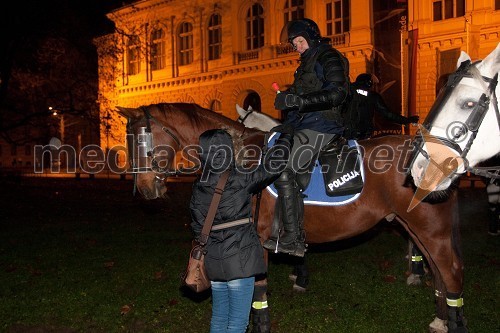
219,53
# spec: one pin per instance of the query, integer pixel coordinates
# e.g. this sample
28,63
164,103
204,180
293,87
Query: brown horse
160,132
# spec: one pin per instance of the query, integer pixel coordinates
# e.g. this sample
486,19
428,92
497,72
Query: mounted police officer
366,101
313,106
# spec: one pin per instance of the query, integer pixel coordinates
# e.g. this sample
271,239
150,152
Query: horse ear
491,64
129,112
463,57
240,110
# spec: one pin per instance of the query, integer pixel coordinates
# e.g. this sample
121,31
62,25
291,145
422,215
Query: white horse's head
463,126
254,119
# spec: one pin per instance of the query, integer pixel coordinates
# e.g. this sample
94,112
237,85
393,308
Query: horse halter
471,124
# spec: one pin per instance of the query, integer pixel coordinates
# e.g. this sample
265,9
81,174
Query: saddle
336,177
341,168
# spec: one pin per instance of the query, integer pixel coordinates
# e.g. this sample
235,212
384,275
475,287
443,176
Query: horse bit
472,123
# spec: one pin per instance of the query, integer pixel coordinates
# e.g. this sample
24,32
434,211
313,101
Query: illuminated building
222,53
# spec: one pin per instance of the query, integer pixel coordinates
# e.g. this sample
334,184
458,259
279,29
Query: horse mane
199,115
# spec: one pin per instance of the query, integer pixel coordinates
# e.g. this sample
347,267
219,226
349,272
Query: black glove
284,128
412,119
286,101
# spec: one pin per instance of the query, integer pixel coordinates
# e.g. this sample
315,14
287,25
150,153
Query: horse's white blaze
455,113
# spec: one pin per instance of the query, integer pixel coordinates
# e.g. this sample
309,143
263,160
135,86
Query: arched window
254,27
134,55
337,17
185,43
253,100
214,37
294,10
157,49
445,9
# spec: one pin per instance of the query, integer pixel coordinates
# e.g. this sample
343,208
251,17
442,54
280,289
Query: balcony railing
248,55
281,50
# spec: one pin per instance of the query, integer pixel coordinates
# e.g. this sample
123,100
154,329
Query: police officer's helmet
306,28
364,80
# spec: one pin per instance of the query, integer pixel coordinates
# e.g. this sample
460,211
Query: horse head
152,149
163,139
462,128
254,119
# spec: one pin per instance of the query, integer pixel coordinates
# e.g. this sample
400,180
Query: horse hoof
414,280
298,288
438,326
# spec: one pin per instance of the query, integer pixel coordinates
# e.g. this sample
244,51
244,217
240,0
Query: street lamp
61,121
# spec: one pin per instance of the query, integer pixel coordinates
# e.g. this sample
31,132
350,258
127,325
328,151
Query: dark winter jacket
235,252
369,102
322,82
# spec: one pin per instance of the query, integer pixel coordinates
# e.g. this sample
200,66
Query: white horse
462,128
254,119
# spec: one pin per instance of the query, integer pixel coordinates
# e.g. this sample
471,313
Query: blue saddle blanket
315,193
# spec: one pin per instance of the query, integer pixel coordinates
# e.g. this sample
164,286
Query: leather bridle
141,147
472,123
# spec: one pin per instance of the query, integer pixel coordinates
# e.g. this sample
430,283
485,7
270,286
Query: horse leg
261,320
416,263
438,325
446,265
300,274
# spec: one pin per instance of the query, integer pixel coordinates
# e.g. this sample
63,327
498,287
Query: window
134,55
497,4
294,10
252,100
337,17
445,9
185,43
214,37
157,49
255,27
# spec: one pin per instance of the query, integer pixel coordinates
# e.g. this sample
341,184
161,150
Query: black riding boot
290,239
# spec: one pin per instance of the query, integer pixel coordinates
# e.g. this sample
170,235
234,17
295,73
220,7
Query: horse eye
469,104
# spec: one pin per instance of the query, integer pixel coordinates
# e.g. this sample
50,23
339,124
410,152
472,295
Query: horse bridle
472,123
241,119
145,149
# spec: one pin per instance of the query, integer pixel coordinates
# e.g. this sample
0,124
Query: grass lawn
86,256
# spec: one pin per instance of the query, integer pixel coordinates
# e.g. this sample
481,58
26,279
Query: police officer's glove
285,129
412,119
286,101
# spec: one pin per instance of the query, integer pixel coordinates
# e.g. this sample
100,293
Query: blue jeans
231,303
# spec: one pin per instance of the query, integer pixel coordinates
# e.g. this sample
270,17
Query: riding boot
290,240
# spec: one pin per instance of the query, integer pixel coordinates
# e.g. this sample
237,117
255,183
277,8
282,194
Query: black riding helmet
364,80
304,27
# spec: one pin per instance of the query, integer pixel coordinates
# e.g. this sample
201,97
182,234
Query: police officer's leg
306,146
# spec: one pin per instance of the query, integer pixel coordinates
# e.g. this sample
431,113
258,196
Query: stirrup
270,244
297,249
